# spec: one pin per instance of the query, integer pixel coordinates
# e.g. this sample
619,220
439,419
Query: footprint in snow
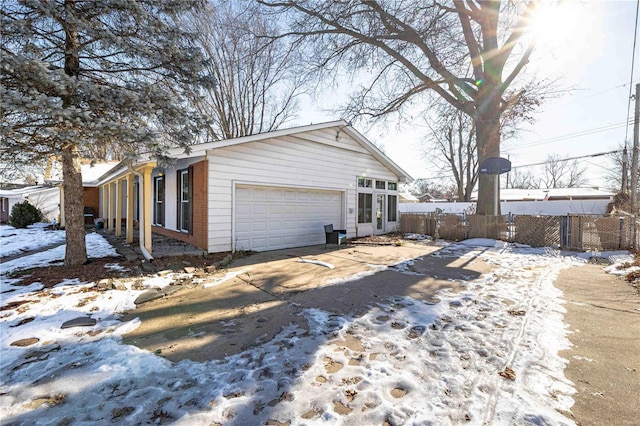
416,331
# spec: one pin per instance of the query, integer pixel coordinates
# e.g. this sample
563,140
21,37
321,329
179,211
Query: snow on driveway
485,355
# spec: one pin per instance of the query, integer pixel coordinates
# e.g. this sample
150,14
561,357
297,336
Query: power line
590,96
607,127
598,165
599,154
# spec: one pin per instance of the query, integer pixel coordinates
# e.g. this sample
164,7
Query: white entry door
271,218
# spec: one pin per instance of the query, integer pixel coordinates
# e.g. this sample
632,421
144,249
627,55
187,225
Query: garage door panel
274,218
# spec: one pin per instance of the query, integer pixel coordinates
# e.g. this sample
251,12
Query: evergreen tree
77,74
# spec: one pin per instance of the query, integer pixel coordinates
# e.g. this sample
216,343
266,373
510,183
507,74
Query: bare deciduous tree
452,150
613,174
522,179
255,82
432,187
470,52
562,173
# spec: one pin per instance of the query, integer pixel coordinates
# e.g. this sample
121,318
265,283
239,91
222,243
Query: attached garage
271,218
267,191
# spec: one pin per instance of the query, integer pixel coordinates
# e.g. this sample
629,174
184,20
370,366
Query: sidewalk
29,252
603,314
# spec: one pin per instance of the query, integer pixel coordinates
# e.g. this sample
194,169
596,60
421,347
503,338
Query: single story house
428,198
91,172
44,197
407,197
48,196
261,192
552,194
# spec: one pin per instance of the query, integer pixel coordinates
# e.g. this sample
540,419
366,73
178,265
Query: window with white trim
158,201
364,182
184,200
365,208
392,208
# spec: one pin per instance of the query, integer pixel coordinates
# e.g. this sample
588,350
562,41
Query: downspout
141,205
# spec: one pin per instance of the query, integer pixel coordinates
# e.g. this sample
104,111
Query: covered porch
126,197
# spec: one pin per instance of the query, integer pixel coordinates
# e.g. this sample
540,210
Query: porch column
130,208
62,218
146,205
110,207
118,204
105,205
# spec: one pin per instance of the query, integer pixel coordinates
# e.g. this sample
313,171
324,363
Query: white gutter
143,249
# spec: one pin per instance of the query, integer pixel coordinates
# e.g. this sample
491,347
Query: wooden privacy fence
572,232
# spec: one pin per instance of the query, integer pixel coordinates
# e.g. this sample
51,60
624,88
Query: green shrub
24,214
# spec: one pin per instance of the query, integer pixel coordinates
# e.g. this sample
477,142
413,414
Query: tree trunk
76,253
488,142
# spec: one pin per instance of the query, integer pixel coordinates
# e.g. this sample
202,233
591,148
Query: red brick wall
198,237
200,204
92,199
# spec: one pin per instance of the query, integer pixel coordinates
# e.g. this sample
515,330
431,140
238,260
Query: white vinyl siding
313,160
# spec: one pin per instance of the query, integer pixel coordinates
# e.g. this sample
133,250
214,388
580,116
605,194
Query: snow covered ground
485,355
16,241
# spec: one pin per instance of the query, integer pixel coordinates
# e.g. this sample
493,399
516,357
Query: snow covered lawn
485,355
16,241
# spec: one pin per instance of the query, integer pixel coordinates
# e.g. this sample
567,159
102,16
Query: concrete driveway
268,290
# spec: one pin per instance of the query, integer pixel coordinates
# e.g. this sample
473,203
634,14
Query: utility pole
634,169
634,154
625,161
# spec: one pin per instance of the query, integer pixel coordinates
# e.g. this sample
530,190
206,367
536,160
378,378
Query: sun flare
553,22
564,32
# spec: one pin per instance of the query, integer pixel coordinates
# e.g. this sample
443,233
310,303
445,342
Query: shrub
24,214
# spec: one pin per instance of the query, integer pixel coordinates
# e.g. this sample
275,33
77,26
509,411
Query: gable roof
409,197
91,173
340,125
23,192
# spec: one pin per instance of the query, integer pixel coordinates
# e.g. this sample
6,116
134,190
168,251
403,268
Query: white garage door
268,218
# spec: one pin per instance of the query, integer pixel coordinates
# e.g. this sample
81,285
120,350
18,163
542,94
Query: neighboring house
48,197
44,197
4,209
406,197
552,194
262,192
428,198
555,201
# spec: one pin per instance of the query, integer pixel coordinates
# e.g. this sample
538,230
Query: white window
364,182
392,208
158,208
365,208
184,200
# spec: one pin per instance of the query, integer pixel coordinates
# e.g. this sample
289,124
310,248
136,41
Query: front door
380,214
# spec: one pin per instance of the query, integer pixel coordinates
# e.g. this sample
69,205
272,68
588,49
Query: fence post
634,233
465,226
620,228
